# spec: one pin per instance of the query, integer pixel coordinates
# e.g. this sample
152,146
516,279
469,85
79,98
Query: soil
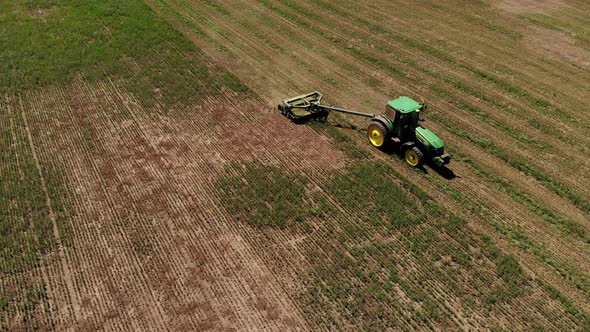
558,46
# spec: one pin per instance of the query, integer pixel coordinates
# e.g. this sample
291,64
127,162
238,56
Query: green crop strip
264,196
570,308
103,39
362,287
25,226
515,281
387,203
517,236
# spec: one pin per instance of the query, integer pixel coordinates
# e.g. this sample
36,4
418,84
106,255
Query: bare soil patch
558,46
41,12
529,6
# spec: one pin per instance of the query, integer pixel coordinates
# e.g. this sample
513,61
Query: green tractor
398,127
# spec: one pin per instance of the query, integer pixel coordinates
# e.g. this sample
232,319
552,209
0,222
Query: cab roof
404,104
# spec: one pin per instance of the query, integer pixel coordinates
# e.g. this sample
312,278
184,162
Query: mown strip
516,162
425,48
532,204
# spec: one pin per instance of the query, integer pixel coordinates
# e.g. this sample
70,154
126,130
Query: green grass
514,281
265,196
570,308
519,238
378,201
387,203
388,217
100,39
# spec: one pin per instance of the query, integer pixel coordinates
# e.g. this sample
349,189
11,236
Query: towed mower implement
307,107
397,127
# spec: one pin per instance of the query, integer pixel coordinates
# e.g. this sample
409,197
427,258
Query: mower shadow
443,171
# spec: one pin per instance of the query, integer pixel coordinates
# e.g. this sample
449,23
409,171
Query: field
147,181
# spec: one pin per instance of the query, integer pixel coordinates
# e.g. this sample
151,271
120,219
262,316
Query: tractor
398,127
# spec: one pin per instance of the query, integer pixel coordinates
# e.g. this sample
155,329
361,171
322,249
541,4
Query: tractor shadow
443,171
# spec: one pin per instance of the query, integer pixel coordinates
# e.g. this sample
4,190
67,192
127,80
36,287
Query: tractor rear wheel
283,108
414,157
377,134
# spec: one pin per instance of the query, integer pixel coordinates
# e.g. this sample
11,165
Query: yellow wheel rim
376,137
412,157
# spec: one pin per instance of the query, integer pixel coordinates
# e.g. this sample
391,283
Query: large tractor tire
377,134
283,108
414,157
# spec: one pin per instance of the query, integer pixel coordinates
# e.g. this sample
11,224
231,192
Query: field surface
148,183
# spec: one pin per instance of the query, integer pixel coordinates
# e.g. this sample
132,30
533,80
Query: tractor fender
385,122
407,145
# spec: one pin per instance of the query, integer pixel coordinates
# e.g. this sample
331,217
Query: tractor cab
404,114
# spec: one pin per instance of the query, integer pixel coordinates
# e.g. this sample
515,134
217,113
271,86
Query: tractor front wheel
377,134
414,157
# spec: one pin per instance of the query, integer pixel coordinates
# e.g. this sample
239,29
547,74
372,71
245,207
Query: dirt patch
151,247
529,6
558,46
252,131
41,13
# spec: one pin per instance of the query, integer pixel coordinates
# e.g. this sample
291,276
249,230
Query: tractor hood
429,138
